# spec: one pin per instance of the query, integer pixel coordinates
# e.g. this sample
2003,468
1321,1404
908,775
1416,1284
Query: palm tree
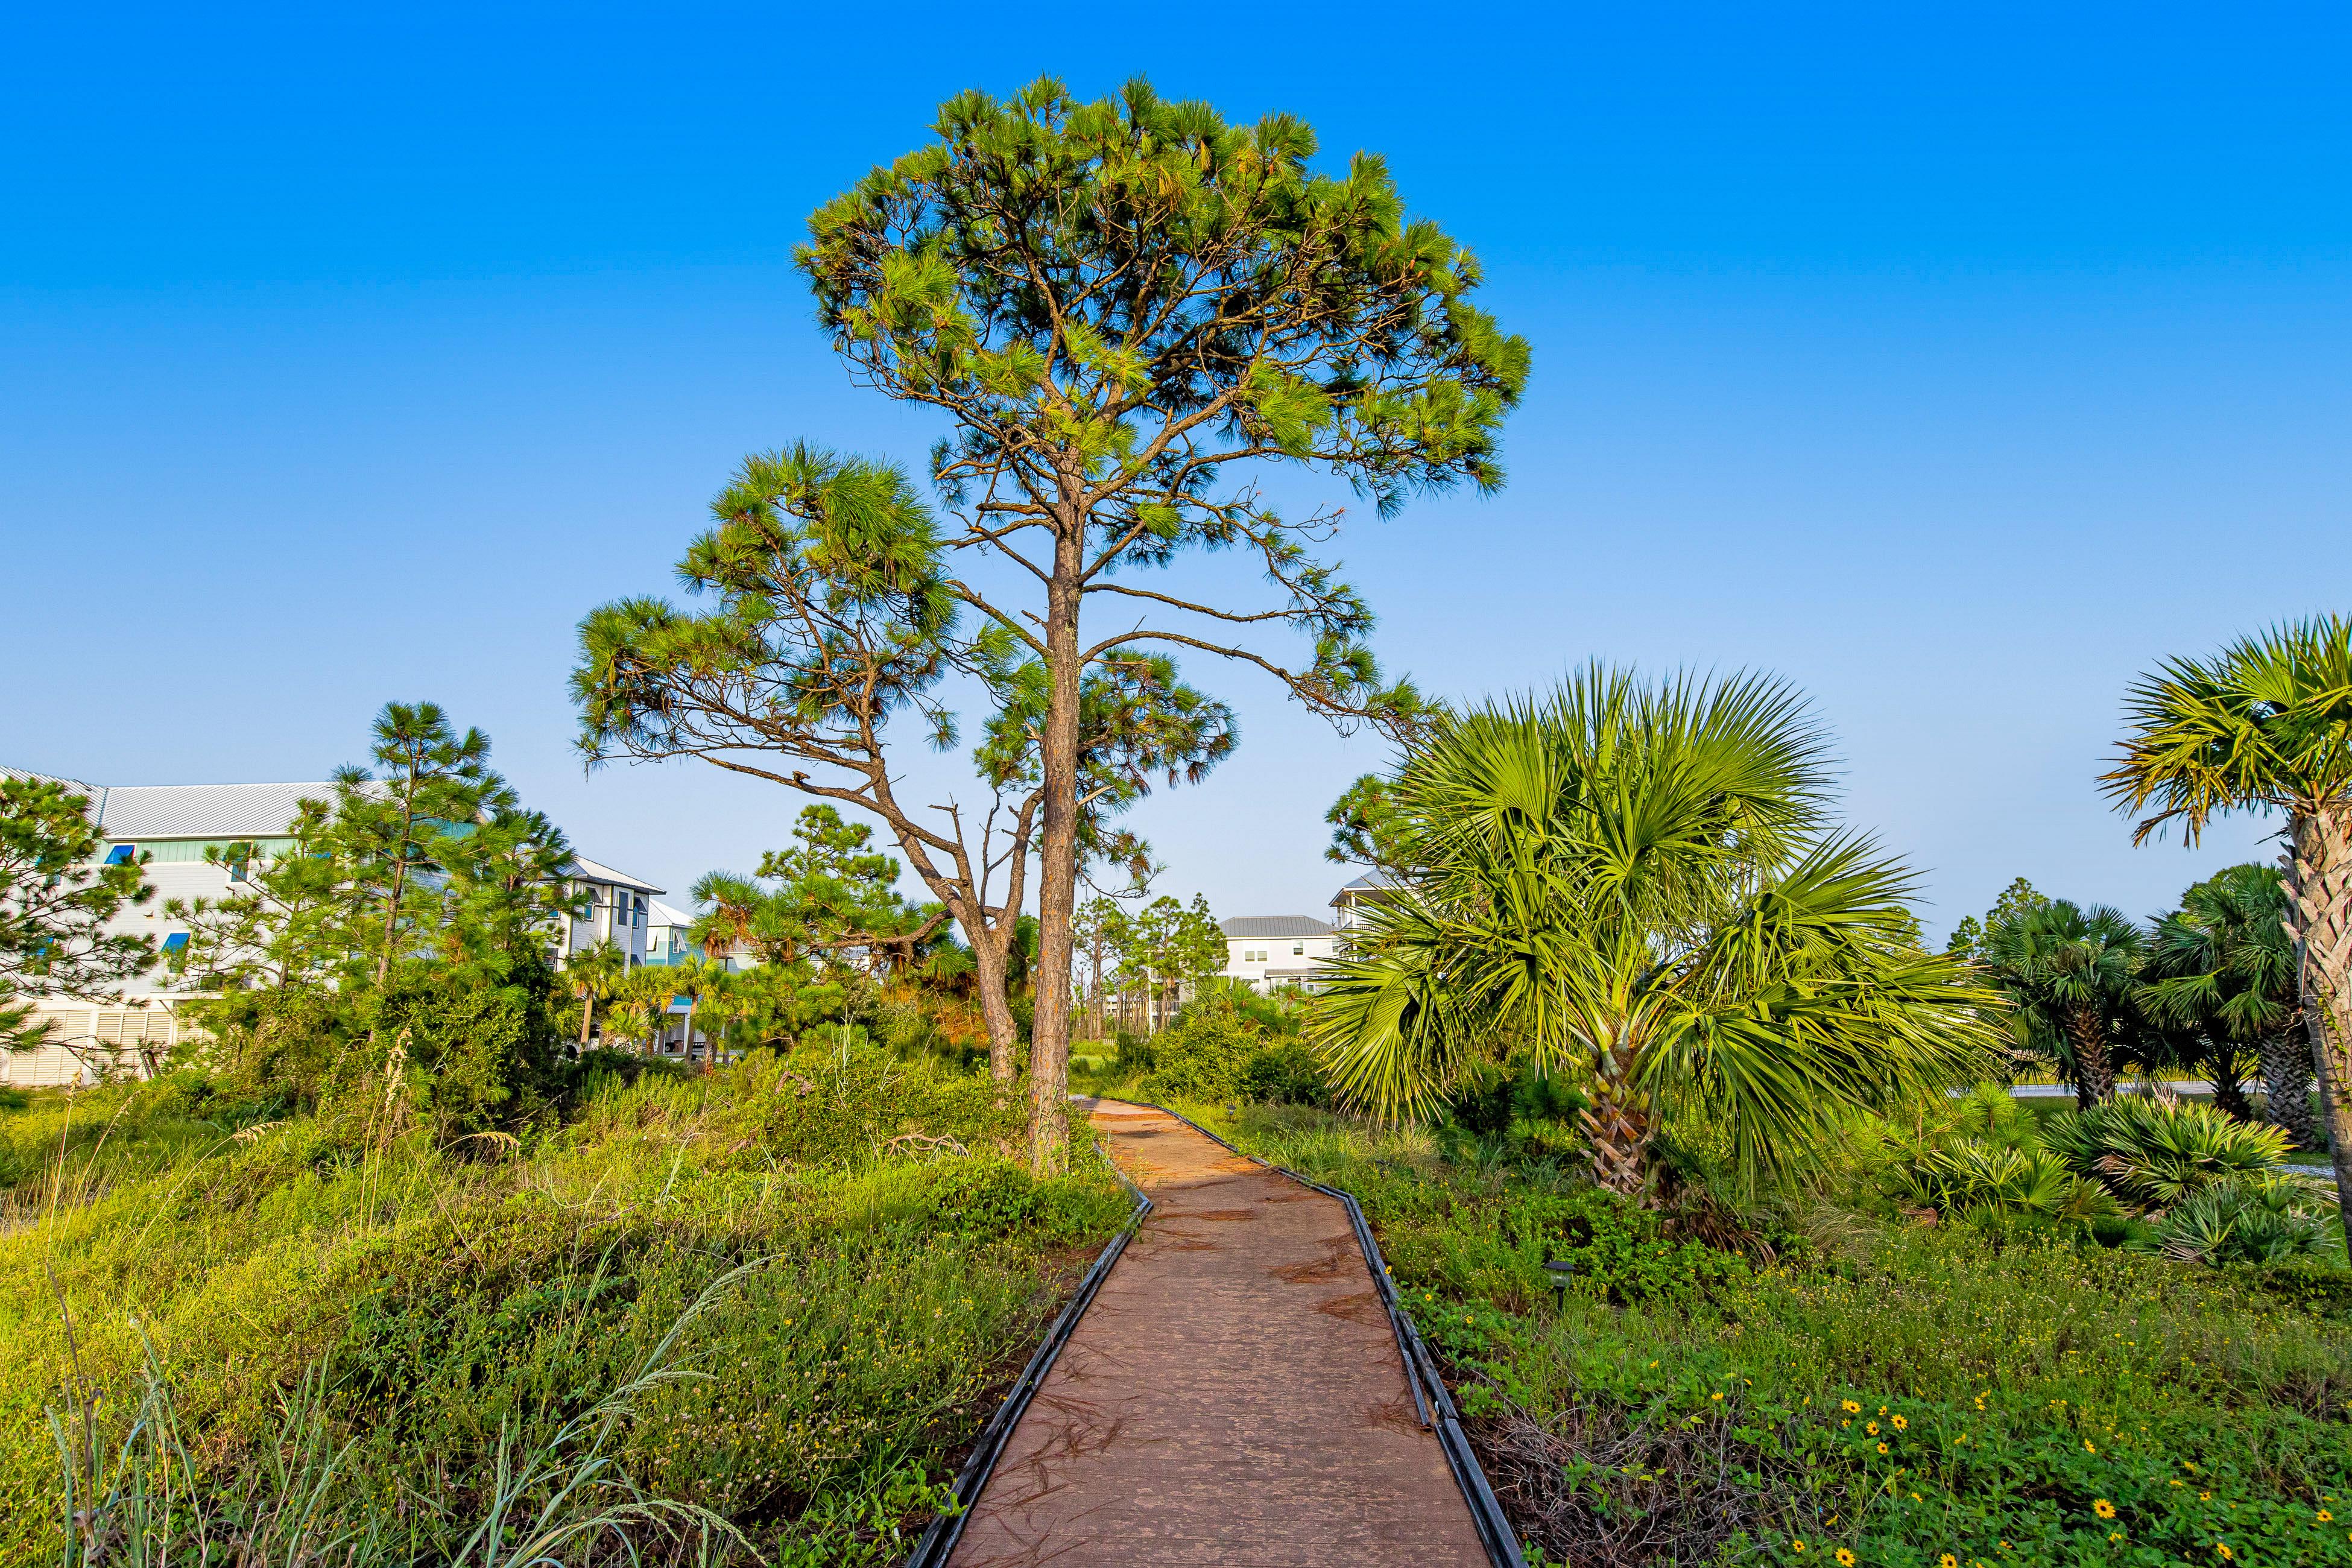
591,975
1637,884
2224,966
2071,975
2265,726
640,1001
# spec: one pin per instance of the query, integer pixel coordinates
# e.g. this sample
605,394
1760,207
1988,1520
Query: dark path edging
938,1542
1429,1390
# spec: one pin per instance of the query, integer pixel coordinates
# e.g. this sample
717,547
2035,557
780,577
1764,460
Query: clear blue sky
1955,363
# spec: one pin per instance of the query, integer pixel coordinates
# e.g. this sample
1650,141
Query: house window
177,942
122,854
1297,949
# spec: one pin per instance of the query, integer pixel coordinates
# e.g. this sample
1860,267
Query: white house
172,826
1349,901
1269,951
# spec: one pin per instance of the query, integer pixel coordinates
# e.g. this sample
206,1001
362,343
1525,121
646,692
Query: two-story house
171,828
1269,952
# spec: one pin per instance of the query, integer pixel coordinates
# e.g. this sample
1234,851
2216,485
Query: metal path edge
938,1542
1430,1395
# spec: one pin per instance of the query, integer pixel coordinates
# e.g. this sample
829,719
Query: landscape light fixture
1558,1270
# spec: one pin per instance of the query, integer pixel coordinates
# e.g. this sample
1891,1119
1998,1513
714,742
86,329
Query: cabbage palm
2222,965
591,975
2070,972
2265,726
1636,884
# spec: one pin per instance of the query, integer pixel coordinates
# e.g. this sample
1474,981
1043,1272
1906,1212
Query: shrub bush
2153,1152
1199,1056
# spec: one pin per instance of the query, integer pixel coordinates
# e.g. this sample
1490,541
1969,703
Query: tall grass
442,1338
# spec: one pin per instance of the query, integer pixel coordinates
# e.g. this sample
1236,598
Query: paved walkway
1233,1398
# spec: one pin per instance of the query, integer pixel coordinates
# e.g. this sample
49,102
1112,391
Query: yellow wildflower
2104,1509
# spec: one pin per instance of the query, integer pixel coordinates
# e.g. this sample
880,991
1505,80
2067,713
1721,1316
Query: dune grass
811,1278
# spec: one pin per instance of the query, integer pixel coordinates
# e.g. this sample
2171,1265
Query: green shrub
1284,1072
1965,1176
2263,1218
2153,1152
1199,1056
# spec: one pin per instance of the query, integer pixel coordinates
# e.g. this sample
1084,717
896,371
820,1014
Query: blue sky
1953,362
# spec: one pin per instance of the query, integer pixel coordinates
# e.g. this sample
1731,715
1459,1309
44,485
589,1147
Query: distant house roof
201,810
665,915
1253,926
589,870
1370,882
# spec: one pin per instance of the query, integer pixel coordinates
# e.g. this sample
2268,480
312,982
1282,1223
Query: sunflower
2104,1509
1850,1408
1872,1429
1881,1447
1900,1424
1845,1557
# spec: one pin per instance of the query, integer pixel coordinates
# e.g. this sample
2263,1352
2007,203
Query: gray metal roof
201,810
1256,926
591,871
1370,882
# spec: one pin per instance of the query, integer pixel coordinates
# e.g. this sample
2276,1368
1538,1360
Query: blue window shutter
121,854
177,942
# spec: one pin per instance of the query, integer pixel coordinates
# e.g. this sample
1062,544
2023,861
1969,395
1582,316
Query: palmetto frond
2265,725
1633,883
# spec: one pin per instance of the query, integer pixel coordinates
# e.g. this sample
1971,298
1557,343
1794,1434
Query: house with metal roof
1269,952
1349,901
170,828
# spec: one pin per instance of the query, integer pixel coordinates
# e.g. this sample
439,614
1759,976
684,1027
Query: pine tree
55,901
1123,308
400,823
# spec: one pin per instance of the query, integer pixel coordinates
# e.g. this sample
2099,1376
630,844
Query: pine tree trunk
1057,846
2320,891
995,1006
2286,1086
2095,1076
1617,1123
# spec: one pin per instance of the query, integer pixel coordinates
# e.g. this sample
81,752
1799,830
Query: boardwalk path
1234,1397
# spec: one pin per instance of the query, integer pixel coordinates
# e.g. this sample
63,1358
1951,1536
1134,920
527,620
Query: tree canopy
1126,309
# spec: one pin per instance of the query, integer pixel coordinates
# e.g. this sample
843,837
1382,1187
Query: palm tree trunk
587,1016
2319,889
2229,1090
1618,1125
2286,1086
2095,1076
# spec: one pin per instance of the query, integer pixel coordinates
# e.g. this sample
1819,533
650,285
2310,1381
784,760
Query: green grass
1687,1405
445,1307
